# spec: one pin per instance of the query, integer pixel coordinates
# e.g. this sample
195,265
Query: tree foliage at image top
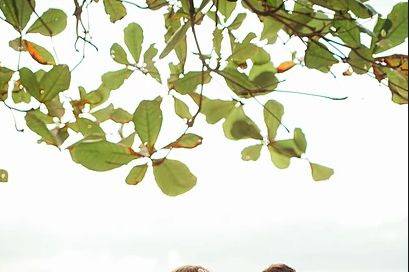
329,33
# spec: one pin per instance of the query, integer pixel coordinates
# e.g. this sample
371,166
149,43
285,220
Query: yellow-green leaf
321,173
137,174
173,177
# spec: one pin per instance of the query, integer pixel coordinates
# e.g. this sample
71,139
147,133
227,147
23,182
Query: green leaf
319,57
393,31
88,128
182,110
119,55
237,23
214,110
217,41
57,80
360,9
361,60
148,119
149,55
300,140
173,177
5,77
104,114
100,155
189,83
398,84
349,32
55,107
133,34
17,12
128,141
114,80
245,51
251,153
273,113
4,176
156,4
226,7
282,152
270,30
238,126
30,83
179,35
241,84
115,9
281,161
321,173
39,126
137,174
51,23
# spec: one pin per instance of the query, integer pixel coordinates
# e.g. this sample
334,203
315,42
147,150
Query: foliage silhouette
331,32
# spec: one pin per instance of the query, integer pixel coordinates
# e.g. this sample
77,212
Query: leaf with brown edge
101,155
188,141
396,62
37,52
137,174
286,66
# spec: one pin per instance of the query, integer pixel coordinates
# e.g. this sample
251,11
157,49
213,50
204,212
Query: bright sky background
58,216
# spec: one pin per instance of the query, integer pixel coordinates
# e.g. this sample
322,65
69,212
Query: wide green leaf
51,23
251,153
239,126
173,177
189,83
214,109
57,80
319,57
88,128
118,54
115,9
393,31
17,12
101,155
133,34
321,173
114,80
148,119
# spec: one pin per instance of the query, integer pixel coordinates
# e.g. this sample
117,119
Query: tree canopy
329,33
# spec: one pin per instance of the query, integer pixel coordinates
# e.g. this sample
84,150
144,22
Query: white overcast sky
58,216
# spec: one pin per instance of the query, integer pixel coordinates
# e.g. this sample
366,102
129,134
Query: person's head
279,268
191,269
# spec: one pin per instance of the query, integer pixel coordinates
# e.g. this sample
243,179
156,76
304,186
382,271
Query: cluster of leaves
330,31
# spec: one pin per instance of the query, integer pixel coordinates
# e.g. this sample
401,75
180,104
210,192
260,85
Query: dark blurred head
279,268
191,269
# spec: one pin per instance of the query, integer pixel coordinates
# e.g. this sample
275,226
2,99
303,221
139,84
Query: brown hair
191,269
279,268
